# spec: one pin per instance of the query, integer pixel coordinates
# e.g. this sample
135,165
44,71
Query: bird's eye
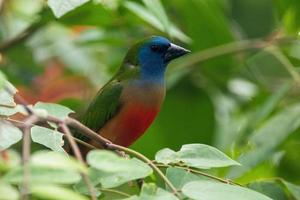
155,48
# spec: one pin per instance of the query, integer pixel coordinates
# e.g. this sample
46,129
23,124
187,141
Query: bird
125,107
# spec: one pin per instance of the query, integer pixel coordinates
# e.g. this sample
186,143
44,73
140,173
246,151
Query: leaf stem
79,157
286,63
115,191
194,171
26,155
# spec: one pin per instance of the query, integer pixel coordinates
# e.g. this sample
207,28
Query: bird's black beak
175,51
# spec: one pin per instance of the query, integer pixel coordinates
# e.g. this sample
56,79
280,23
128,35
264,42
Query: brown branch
19,38
79,157
115,192
90,133
26,155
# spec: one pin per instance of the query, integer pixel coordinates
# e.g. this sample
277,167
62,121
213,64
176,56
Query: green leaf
56,110
8,111
151,192
43,175
207,190
114,170
61,7
265,139
195,155
52,139
46,191
57,161
156,17
156,8
9,135
294,189
290,15
167,156
5,97
7,192
270,189
2,80
95,178
179,177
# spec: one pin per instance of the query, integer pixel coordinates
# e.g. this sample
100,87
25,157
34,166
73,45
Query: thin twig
285,62
79,157
1,5
19,38
114,191
91,134
7,106
26,155
84,143
194,171
228,48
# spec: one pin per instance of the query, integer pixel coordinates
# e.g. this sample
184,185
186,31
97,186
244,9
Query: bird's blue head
152,55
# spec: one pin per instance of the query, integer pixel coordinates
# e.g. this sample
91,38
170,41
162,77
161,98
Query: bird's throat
153,72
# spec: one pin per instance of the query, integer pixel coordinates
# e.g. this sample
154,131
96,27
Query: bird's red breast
139,107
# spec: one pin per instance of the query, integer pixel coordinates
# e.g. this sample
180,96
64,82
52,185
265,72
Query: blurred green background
237,91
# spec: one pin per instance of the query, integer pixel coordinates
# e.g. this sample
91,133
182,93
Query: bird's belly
130,123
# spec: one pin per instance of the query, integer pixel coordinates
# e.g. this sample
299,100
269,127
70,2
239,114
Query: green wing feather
102,108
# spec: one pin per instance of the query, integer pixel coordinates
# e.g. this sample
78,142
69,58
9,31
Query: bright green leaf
45,191
2,80
56,110
207,190
294,189
6,98
156,8
61,7
179,177
9,135
95,178
114,170
56,160
8,111
52,139
152,192
167,156
7,192
196,155
43,175
157,18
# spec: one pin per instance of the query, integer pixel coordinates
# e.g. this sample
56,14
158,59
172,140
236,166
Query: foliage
232,106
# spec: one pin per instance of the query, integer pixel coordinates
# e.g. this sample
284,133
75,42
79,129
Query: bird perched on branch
127,105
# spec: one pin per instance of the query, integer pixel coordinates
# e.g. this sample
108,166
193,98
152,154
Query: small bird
126,106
